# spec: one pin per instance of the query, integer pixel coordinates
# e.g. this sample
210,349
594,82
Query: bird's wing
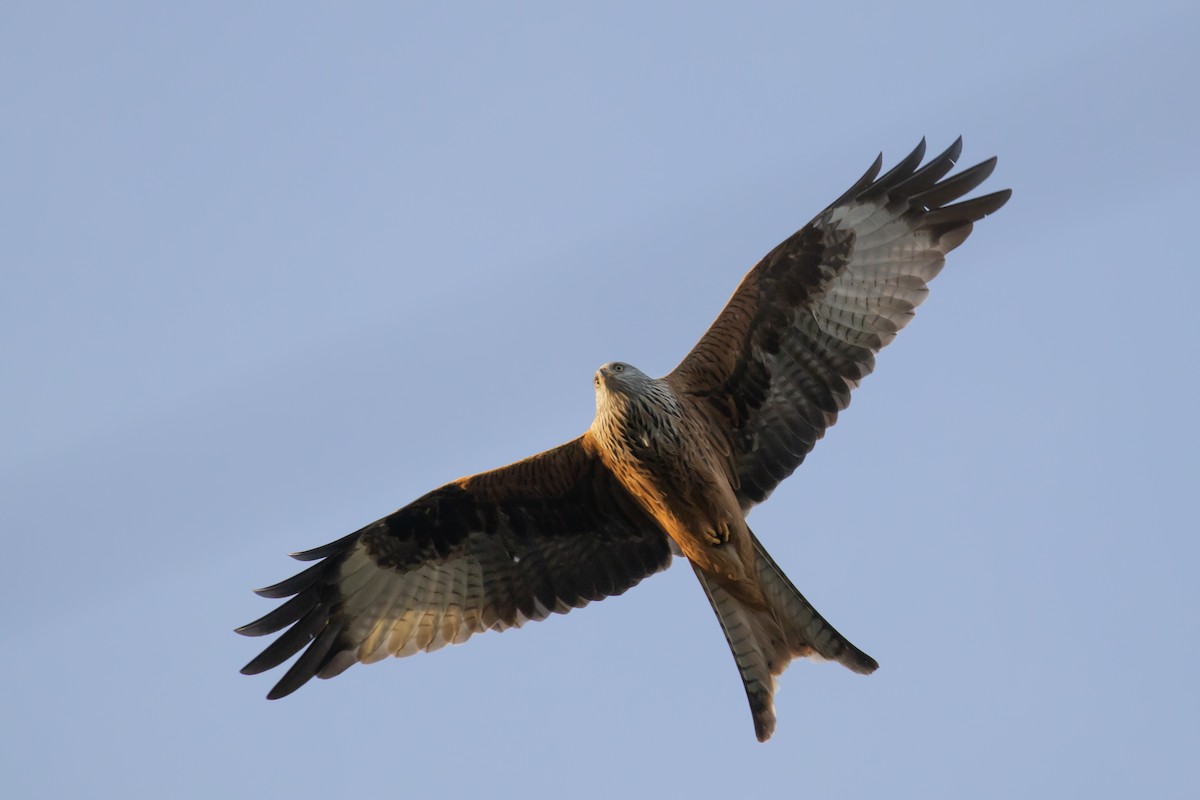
803,327
488,552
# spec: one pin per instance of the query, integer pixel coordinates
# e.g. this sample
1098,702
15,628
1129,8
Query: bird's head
621,378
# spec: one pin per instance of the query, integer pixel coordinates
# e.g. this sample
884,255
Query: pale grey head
621,378
623,390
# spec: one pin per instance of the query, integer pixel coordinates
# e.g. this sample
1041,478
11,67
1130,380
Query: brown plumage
670,464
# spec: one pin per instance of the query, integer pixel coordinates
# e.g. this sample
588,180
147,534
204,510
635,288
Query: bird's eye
596,380
618,367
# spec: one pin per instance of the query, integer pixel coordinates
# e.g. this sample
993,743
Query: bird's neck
637,422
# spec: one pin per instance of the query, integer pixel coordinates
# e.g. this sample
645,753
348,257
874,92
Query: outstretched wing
805,324
488,552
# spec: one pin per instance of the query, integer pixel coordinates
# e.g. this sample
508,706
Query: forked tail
765,640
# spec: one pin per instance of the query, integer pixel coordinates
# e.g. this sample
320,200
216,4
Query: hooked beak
603,375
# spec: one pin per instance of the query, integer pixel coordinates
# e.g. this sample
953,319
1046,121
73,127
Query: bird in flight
669,465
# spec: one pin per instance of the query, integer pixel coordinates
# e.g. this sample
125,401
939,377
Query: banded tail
764,641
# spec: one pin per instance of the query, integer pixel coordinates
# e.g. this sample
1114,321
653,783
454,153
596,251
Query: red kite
668,465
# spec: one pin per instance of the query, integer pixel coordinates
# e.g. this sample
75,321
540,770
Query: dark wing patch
803,328
489,552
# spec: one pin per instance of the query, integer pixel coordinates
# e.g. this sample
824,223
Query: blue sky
270,273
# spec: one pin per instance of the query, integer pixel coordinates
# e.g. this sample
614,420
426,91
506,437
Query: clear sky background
270,273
